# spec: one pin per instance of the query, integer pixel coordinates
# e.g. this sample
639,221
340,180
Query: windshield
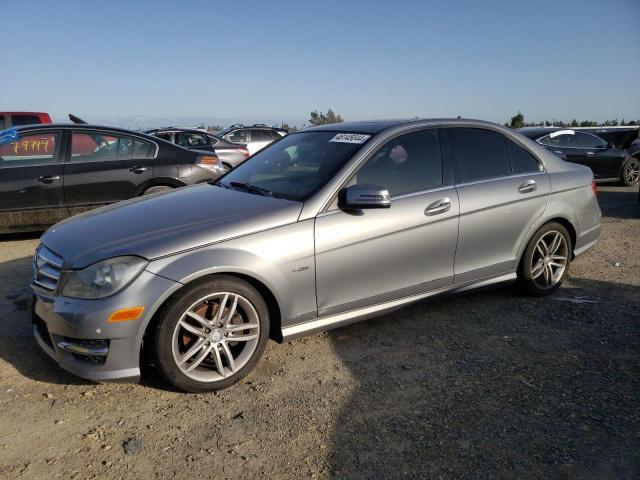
297,166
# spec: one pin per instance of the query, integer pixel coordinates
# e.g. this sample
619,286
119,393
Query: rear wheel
212,334
227,167
631,171
546,260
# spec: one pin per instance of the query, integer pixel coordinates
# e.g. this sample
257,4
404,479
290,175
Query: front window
30,149
565,140
297,166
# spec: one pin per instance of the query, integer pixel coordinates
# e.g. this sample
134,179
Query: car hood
166,223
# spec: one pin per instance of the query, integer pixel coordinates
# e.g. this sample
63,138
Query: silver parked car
327,226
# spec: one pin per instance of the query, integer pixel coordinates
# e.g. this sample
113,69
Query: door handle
528,186
138,169
590,153
48,178
437,207
559,152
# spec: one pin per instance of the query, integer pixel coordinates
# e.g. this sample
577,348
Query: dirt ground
487,385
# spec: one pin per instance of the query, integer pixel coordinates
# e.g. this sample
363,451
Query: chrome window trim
493,179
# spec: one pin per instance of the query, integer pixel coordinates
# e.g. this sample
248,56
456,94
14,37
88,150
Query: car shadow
17,346
494,385
619,202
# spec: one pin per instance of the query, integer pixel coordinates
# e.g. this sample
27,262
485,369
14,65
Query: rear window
19,120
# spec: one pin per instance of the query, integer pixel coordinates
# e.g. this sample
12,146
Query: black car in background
50,172
230,154
607,161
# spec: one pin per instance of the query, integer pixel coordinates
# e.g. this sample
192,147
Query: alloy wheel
549,259
632,172
216,336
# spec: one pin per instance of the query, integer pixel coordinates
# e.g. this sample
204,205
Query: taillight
211,163
594,187
245,152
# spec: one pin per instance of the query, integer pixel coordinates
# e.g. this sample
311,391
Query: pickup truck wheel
631,171
211,334
546,260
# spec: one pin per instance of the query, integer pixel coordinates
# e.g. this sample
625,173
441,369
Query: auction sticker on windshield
350,138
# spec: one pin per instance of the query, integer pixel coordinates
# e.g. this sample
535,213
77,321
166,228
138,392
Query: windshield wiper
252,188
218,183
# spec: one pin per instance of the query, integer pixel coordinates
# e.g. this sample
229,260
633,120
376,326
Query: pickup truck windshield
297,166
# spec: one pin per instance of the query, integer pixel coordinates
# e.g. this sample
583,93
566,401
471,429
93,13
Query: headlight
103,278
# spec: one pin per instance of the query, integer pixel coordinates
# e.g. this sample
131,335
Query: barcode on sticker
350,138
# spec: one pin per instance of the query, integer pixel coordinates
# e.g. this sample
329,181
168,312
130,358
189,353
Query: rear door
598,157
258,139
502,189
31,181
104,167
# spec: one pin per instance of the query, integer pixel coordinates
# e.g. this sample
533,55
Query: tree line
518,121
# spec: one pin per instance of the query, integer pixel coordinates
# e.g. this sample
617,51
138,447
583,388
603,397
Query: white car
255,137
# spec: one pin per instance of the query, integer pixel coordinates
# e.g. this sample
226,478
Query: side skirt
365,313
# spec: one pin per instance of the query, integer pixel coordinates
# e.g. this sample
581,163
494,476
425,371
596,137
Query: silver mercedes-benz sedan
328,226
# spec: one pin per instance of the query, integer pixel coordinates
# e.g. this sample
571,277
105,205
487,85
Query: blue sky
143,64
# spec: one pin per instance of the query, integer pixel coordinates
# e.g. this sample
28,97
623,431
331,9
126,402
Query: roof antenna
459,117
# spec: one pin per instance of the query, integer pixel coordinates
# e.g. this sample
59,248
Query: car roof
374,127
537,132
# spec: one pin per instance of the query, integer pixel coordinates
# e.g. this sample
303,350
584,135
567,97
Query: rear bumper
75,332
587,240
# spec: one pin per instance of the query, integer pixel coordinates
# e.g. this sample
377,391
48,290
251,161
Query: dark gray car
328,226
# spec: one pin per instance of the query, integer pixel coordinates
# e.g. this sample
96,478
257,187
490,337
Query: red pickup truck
16,119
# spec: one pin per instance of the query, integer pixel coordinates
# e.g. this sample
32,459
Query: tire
227,167
156,189
542,270
630,172
200,362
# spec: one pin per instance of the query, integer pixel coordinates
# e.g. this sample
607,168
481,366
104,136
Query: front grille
46,269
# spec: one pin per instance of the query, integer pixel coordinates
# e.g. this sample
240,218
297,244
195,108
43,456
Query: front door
372,256
31,181
104,167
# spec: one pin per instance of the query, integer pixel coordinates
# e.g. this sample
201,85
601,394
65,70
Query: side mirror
362,196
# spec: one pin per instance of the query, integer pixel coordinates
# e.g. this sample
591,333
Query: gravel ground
487,385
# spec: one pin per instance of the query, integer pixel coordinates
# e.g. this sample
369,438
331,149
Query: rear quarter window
521,160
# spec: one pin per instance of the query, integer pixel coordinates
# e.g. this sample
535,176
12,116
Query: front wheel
546,260
631,171
211,334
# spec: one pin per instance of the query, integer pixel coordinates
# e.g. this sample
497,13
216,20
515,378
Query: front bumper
75,332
